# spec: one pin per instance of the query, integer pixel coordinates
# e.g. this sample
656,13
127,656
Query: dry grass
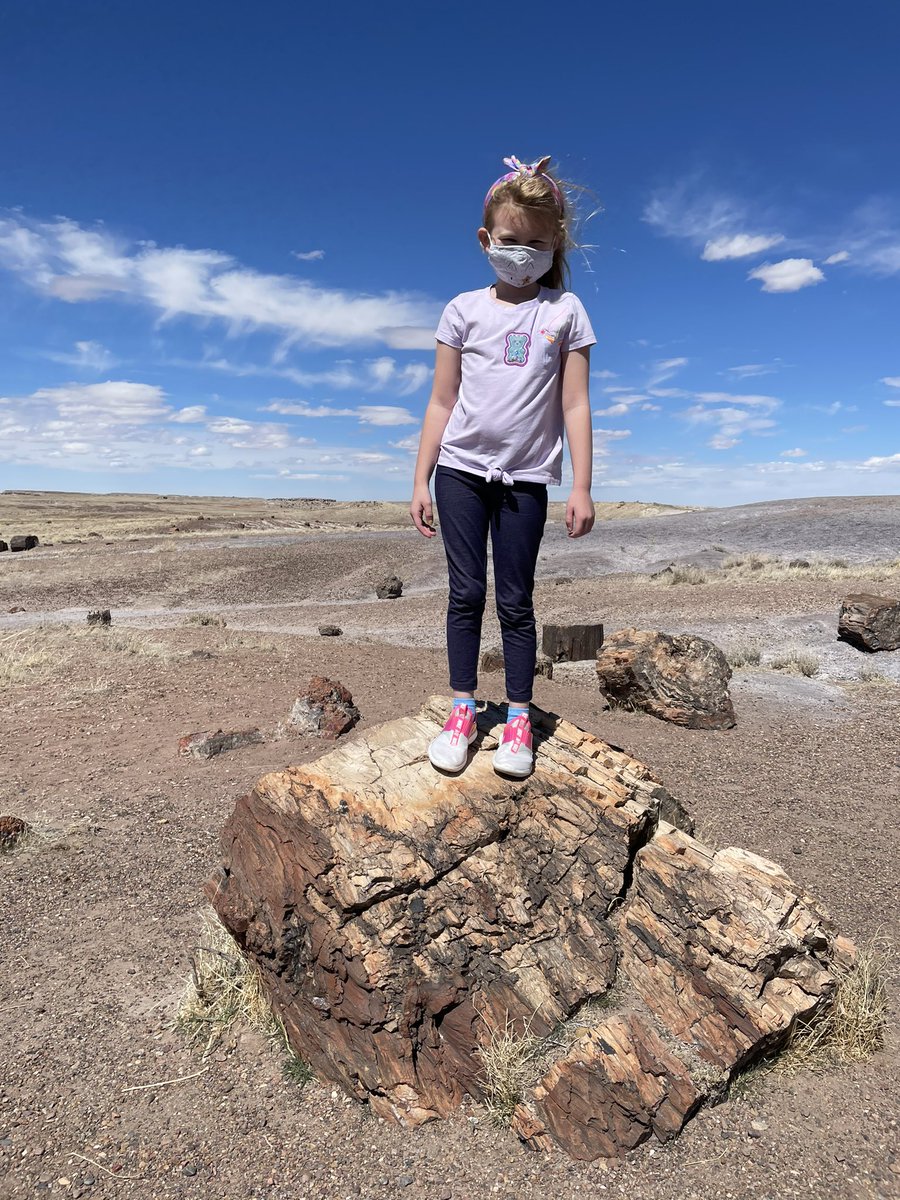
508,1062
771,567
796,662
207,619
675,575
852,1029
872,677
743,654
23,659
224,988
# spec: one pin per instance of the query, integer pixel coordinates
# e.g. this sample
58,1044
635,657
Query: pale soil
100,909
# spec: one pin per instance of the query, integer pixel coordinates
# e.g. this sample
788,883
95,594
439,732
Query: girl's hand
421,511
579,513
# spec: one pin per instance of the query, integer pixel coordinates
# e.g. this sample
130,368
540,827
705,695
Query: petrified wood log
870,622
400,918
679,678
571,643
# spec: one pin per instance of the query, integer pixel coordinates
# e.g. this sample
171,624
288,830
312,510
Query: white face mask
519,265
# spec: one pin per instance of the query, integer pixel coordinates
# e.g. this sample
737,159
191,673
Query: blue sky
227,232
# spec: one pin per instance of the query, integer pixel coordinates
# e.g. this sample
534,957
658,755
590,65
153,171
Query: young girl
511,370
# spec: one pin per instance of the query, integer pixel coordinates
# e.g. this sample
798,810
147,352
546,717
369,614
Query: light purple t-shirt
508,419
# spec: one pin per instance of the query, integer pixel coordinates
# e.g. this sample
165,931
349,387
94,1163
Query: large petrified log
870,622
676,677
400,918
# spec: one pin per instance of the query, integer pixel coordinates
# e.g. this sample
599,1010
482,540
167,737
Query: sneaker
450,749
514,755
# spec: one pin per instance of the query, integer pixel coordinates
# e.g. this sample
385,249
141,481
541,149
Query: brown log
870,622
400,918
571,643
679,678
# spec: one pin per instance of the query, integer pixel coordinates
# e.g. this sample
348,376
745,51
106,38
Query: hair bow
520,169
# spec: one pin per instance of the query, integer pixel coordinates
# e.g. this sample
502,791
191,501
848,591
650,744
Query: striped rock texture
401,918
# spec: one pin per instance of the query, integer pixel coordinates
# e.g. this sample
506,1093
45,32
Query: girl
511,369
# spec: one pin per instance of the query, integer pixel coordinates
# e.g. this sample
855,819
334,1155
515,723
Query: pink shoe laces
459,723
518,731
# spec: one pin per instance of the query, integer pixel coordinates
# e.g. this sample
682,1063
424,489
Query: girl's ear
484,237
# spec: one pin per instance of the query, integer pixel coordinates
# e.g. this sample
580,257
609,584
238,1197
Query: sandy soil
100,910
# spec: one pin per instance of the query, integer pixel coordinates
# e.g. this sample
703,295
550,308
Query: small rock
23,541
326,708
189,1169
758,1126
99,616
389,588
16,608
12,831
207,744
3,545
405,1180
798,850
330,630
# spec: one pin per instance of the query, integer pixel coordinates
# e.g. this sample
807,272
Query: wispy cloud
308,255
833,259
789,275
370,375
891,380
739,245
796,453
750,370
366,414
90,356
63,259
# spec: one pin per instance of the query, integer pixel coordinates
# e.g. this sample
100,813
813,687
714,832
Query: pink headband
522,170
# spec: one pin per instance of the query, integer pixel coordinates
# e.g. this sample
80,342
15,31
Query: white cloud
768,403
891,380
370,375
61,258
308,255
789,275
111,403
750,370
385,414
614,410
889,461
664,369
833,259
604,375
299,408
409,337
739,245
796,453
892,403
189,415
91,356
733,423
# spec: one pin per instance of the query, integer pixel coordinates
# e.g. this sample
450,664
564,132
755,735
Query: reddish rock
207,744
679,678
616,1086
326,708
12,831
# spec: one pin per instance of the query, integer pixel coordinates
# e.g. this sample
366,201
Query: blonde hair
543,195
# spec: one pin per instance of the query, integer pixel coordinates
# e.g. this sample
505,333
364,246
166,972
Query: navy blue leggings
468,508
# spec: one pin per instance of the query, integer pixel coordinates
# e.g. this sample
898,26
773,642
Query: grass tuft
207,619
508,1064
223,989
22,658
797,662
676,575
743,654
852,1029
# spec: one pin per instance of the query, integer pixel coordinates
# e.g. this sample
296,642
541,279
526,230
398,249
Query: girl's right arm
444,394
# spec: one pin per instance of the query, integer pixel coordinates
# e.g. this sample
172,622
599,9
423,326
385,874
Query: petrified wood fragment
326,708
400,918
679,678
571,643
870,622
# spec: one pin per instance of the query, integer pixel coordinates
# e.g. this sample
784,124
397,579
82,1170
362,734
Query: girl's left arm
576,405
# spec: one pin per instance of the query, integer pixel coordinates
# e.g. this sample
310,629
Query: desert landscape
216,606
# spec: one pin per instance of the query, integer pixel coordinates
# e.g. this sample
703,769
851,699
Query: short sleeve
451,326
580,333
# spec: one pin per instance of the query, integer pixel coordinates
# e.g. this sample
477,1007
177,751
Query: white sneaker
450,749
514,755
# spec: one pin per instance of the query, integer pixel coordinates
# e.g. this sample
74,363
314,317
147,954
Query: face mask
519,265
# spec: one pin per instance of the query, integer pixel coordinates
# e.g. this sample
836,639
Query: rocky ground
99,1095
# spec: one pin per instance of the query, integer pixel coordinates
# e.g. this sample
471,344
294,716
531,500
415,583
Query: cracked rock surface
401,917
